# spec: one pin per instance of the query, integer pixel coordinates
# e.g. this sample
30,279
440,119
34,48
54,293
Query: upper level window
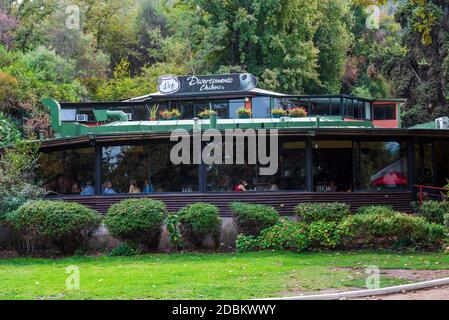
261,107
384,112
235,105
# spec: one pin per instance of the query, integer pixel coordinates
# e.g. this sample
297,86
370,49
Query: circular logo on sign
169,85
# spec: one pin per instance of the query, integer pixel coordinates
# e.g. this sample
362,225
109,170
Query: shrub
246,243
172,222
296,236
393,231
433,211
326,235
286,234
137,221
375,210
309,212
251,219
124,250
198,221
65,225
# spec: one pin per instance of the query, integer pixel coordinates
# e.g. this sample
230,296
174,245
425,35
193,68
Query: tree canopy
108,50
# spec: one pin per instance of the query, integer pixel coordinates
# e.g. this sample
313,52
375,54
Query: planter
153,119
276,116
244,116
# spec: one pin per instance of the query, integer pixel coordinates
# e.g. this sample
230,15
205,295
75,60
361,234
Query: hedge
251,219
65,225
137,221
199,221
310,212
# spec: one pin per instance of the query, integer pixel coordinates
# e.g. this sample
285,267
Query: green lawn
201,276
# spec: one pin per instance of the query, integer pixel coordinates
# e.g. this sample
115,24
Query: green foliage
65,225
310,212
326,235
375,210
173,227
8,132
251,219
393,231
138,221
295,236
198,221
17,165
433,211
124,250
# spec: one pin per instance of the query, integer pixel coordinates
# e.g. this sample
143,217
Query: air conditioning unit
82,118
130,116
442,123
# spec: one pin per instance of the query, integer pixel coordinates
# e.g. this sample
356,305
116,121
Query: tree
17,164
289,45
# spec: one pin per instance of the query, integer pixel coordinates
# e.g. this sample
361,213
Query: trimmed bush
310,212
65,225
251,219
433,211
137,221
199,221
393,231
375,210
295,236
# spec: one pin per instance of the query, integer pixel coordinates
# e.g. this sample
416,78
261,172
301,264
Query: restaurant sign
204,84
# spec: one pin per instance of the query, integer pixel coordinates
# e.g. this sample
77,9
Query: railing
440,195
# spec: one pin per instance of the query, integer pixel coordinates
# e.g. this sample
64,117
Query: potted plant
297,112
172,114
279,112
153,112
207,114
244,113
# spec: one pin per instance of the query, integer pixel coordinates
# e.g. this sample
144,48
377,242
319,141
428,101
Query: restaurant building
342,148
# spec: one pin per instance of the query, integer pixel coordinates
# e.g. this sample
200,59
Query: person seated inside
134,188
108,190
241,187
89,190
76,188
148,188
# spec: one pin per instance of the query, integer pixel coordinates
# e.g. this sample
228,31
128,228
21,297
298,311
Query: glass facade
68,172
385,111
332,166
424,171
335,166
442,163
125,169
383,165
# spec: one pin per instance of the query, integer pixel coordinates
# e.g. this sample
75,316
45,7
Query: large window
261,107
235,105
124,169
167,177
424,174
385,111
383,165
68,172
332,166
320,106
292,166
442,162
228,175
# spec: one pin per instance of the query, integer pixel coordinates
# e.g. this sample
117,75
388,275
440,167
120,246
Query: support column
309,164
411,164
98,170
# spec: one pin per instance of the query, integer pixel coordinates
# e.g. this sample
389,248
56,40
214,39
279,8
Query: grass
201,276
